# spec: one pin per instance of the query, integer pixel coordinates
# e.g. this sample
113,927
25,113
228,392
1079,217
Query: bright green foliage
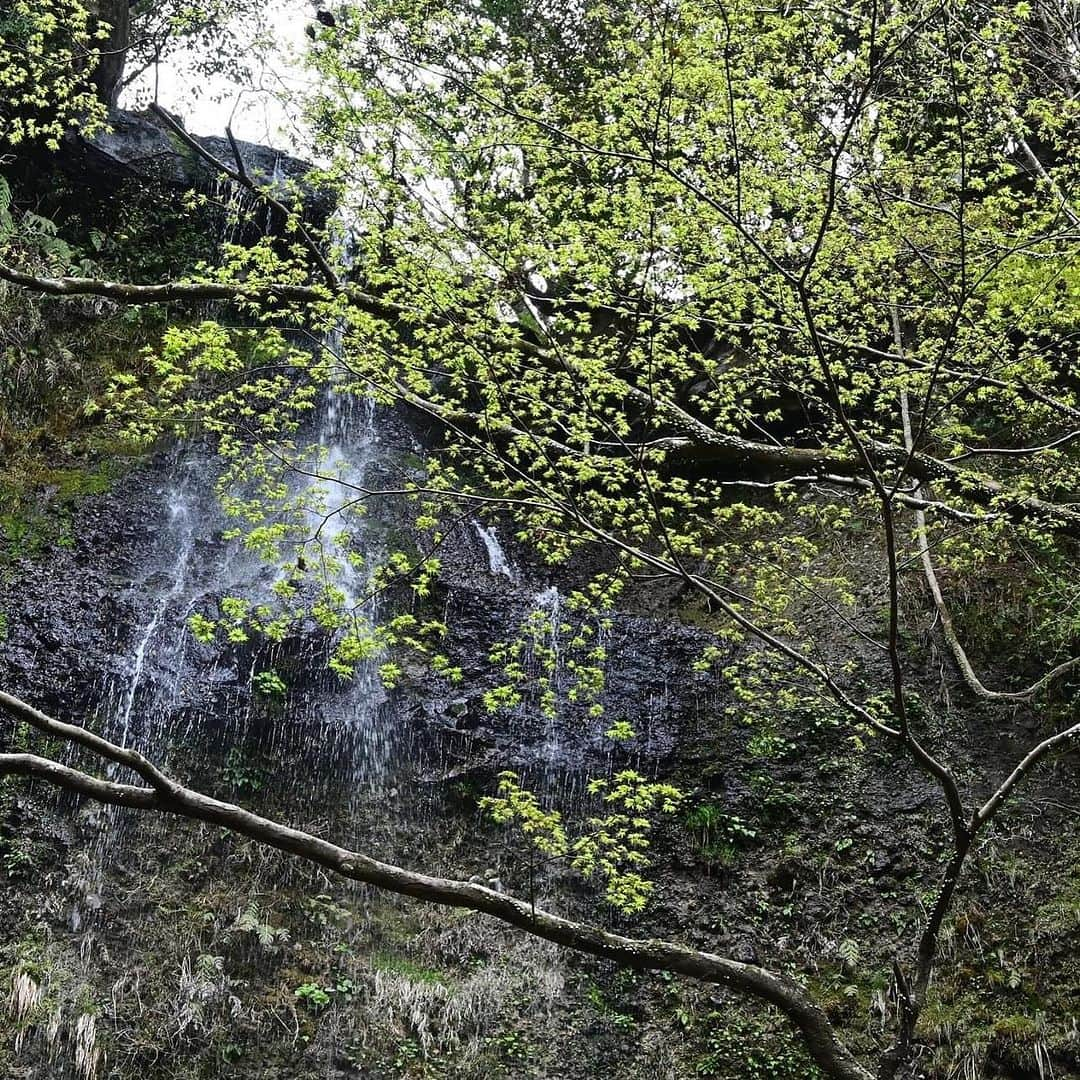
611,848
717,215
709,304
49,50
716,292
558,655
269,684
652,206
314,996
202,628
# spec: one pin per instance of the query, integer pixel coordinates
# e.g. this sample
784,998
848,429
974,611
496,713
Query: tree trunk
108,73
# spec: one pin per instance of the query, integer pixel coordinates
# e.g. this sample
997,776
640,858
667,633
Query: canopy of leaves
775,304
617,282
697,286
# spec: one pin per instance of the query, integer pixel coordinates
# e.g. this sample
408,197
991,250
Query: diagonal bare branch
241,176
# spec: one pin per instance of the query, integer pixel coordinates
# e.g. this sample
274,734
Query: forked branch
241,176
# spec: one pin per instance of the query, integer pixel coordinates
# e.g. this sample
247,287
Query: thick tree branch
197,291
52,772
166,293
696,443
118,755
640,954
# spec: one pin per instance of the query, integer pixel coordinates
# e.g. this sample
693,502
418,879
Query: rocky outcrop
139,146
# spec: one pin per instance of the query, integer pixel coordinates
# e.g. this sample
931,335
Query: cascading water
498,562
204,710
181,532
275,182
238,204
143,697
277,707
551,729
347,444
548,602
171,692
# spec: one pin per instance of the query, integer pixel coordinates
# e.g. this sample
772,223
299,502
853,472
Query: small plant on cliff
269,683
312,995
251,921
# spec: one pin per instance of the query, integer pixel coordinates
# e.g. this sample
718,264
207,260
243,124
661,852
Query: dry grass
446,997
87,1052
204,990
25,996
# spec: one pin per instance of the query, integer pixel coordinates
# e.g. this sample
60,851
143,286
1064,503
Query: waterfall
549,602
181,532
325,734
347,444
238,205
498,562
274,184
243,211
175,575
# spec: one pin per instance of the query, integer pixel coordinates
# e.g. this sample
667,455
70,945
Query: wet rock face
491,592
98,631
67,611
647,678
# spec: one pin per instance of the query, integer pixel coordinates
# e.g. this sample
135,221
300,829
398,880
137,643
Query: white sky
255,113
